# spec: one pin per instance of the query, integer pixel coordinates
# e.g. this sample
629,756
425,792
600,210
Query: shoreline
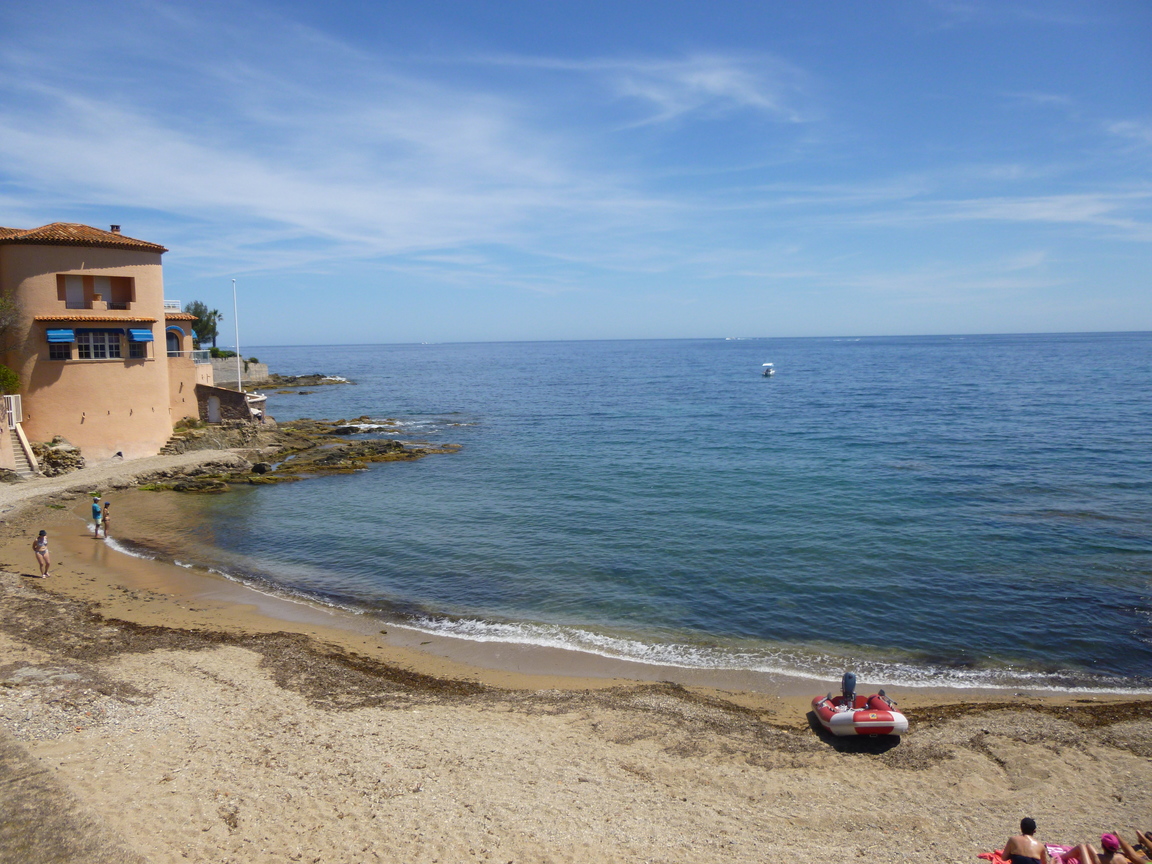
113,580
164,714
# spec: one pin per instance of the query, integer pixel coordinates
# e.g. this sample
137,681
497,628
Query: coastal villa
103,359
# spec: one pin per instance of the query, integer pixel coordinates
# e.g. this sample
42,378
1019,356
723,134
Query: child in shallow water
104,518
40,547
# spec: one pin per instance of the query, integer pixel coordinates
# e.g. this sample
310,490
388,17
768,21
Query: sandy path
113,473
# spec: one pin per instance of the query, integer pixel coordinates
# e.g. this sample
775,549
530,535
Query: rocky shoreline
288,383
283,453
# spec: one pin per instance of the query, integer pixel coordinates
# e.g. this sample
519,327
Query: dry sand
149,715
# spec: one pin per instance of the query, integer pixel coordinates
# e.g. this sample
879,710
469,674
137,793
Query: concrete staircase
23,468
175,445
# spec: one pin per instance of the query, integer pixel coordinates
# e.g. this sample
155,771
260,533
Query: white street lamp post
236,323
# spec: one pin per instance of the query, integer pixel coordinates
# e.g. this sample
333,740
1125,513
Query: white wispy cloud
311,150
1138,131
958,12
699,84
386,164
1118,214
284,148
1116,211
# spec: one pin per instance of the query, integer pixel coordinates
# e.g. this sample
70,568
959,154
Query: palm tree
215,318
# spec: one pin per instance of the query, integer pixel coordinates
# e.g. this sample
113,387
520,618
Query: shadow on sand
874,744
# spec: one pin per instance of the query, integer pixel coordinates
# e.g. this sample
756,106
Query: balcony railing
199,356
171,305
98,303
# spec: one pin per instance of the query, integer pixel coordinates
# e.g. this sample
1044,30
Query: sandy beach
150,712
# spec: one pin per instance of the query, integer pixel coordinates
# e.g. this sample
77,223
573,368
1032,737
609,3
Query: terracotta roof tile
74,234
72,317
179,316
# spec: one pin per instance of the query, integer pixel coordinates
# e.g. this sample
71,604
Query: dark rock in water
9,476
316,379
300,448
201,485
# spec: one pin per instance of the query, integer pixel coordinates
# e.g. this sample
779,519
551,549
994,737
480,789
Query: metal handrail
13,411
115,305
172,304
199,356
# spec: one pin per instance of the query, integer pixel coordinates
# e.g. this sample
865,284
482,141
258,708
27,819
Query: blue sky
466,171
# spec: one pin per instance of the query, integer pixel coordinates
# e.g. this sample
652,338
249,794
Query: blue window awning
139,335
61,336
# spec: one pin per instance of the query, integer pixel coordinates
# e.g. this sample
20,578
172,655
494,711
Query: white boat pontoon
769,370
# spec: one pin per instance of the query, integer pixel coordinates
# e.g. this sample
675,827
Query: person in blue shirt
97,517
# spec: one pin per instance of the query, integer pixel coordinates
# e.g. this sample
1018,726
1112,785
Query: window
121,292
59,350
74,293
137,350
97,344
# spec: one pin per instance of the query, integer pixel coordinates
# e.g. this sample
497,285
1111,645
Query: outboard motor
848,689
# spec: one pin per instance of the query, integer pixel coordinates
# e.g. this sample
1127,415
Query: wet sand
197,720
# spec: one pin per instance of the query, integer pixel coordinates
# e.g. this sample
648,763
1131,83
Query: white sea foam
683,655
780,661
113,544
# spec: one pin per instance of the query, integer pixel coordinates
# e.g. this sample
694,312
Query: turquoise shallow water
932,510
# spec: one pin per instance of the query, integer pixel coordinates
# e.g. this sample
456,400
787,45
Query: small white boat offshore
769,370
849,714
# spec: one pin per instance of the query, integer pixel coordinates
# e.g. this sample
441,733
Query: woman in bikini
40,547
1116,851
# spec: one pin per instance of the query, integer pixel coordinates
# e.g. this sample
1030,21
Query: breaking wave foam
775,661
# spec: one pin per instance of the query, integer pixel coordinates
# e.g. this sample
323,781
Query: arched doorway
173,344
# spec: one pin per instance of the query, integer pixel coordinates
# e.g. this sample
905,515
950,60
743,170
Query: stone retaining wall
224,372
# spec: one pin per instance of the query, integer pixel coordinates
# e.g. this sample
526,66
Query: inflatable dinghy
849,714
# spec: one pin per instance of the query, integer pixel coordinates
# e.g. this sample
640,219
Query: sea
957,511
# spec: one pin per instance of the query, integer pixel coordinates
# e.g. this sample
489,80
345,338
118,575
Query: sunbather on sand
1131,852
1144,838
1112,854
1024,848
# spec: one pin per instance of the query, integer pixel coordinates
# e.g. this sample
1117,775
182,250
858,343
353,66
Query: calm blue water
940,510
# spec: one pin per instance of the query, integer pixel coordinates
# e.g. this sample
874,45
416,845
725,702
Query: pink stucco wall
183,376
101,405
7,457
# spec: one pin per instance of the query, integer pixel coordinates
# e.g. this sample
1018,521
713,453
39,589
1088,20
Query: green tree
9,380
10,331
206,327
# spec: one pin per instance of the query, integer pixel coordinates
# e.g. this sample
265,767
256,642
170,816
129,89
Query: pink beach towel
1056,853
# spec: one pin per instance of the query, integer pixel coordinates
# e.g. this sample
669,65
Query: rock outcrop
287,452
57,457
